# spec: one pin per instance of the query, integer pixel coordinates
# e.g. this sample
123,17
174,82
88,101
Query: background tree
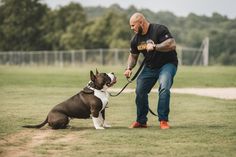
20,25
108,31
29,25
64,27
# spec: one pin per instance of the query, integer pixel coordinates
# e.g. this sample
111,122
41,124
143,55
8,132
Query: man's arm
132,60
165,46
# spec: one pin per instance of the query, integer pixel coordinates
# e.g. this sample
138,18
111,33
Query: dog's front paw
100,128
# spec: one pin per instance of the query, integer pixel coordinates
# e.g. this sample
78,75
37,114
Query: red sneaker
164,125
137,125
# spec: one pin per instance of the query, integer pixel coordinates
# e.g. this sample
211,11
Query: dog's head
102,80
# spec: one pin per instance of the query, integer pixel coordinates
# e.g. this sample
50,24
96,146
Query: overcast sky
178,7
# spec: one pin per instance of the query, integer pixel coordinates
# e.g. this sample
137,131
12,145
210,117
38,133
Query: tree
109,31
64,27
20,24
73,37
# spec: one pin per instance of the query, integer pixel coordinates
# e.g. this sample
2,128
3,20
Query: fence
73,57
194,56
186,55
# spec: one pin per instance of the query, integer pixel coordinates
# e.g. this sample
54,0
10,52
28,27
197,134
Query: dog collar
94,89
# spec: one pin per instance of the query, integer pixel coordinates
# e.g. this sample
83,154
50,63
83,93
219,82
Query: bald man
157,45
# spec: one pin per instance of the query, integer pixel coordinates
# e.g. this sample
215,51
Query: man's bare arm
132,60
166,46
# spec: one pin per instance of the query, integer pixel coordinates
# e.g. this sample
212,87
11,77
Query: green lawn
200,126
216,76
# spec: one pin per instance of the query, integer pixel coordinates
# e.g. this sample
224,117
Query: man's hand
150,45
128,73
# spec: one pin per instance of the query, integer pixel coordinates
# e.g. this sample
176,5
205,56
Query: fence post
205,53
18,58
101,56
61,59
23,58
83,56
73,58
180,55
31,58
55,57
45,57
116,56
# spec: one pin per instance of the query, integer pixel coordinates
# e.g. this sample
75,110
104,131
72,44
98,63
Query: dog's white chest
103,96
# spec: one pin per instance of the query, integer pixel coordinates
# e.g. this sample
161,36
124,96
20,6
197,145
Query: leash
130,81
136,74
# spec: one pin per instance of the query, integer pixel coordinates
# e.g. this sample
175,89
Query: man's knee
166,81
164,91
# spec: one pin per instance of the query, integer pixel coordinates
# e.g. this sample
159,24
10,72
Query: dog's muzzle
113,79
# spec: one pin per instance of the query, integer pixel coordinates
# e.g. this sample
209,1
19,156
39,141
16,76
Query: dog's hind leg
58,121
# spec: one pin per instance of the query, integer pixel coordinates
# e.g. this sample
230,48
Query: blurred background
56,32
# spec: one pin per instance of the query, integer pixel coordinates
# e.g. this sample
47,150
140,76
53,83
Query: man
157,45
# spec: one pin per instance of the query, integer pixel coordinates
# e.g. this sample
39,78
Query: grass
216,76
201,126
212,76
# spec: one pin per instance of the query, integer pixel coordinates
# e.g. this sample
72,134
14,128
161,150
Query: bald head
137,17
138,23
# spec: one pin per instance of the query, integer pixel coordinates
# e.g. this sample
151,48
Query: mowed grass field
200,126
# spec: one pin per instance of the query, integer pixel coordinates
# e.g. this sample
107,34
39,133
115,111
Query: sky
178,7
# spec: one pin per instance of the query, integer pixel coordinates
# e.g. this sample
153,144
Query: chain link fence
186,56
73,57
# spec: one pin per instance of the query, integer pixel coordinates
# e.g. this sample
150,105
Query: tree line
30,25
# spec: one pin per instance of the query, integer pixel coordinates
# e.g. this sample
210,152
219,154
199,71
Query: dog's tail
37,126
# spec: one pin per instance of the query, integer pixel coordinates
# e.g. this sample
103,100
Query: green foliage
20,24
64,27
29,25
73,37
108,31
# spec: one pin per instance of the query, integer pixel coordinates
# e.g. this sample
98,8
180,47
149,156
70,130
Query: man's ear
97,71
92,76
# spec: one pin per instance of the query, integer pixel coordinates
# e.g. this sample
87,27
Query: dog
89,102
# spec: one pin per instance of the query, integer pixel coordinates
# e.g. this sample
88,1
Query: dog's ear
97,71
92,76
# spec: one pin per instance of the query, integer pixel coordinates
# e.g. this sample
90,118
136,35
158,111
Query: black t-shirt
154,59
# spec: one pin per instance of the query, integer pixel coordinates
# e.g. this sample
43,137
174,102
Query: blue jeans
145,82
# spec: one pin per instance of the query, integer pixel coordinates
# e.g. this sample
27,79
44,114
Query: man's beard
140,30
